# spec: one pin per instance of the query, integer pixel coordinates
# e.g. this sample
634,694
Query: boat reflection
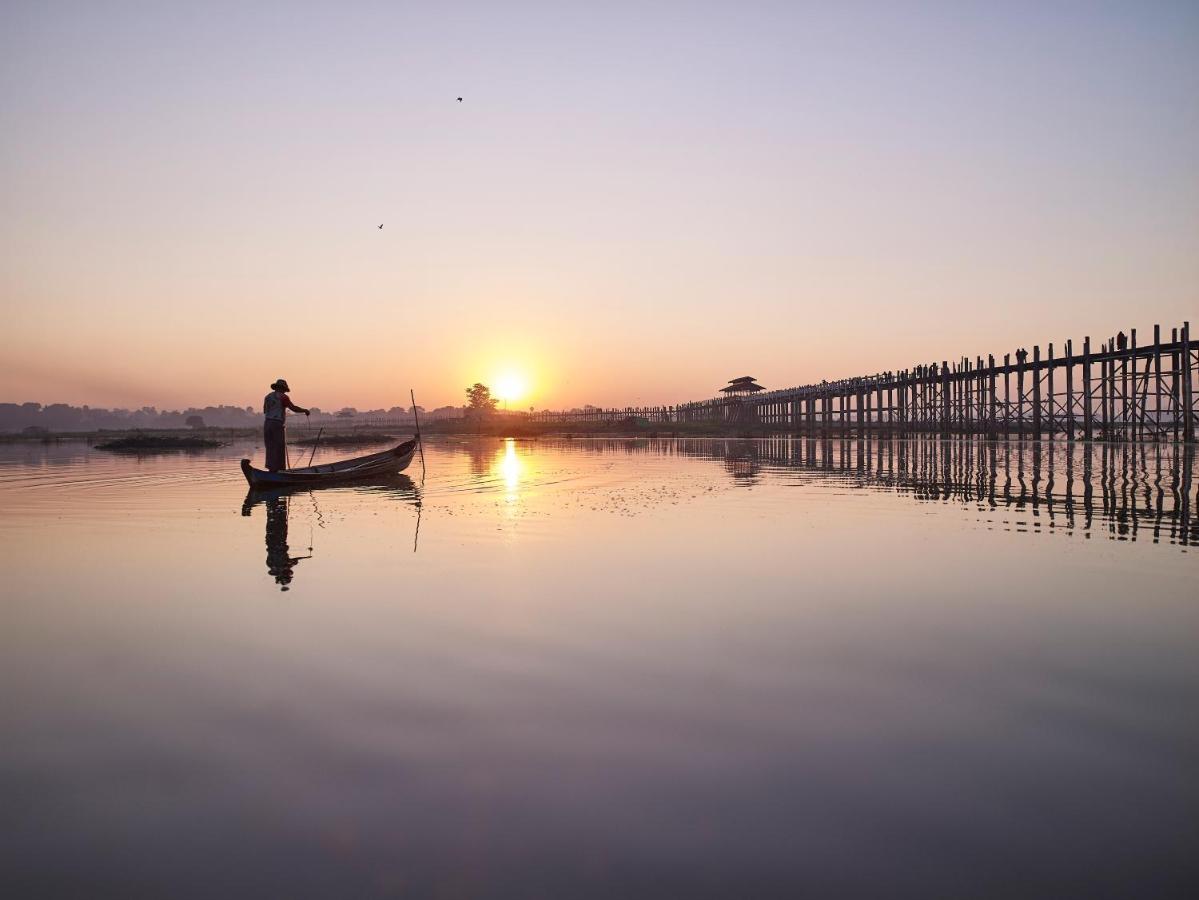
280,564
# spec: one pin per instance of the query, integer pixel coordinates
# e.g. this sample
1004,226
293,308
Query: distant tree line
54,417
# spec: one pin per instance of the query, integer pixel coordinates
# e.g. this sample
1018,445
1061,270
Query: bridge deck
1127,392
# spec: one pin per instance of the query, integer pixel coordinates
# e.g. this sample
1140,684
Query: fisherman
274,432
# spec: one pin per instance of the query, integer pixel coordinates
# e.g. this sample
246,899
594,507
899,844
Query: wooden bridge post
1021,361
971,387
1188,409
966,395
928,412
959,394
1007,392
1070,388
909,410
993,425
928,408
1104,407
1111,386
945,412
1176,384
1130,378
1049,387
1157,380
909,398
980,389
1086,387
1036,392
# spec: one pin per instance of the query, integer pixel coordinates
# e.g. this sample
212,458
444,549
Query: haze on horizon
632,204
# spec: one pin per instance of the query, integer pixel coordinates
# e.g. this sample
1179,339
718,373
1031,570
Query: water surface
619,668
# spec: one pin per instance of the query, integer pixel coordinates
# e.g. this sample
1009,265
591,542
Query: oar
314,444
419,442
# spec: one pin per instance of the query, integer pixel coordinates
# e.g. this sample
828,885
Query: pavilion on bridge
744,386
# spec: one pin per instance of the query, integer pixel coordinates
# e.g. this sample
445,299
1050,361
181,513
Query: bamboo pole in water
419,441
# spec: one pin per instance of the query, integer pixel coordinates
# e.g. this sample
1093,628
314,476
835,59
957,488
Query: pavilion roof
742,387
744,379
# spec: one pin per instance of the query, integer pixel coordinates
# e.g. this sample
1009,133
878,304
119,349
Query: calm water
604,668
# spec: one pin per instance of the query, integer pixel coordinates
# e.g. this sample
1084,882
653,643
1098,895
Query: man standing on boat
274,431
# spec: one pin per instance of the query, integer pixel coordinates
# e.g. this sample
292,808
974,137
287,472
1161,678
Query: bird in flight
380,227
459,99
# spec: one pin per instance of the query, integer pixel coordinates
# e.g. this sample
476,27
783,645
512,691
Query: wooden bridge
1119,390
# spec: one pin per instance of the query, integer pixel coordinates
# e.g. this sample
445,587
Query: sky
632,204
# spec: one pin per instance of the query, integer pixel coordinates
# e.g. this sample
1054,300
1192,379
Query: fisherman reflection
279,561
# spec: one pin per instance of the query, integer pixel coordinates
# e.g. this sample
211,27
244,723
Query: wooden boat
388,462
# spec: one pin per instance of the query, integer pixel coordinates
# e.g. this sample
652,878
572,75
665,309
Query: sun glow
510,387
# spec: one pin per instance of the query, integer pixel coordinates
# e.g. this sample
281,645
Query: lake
604,668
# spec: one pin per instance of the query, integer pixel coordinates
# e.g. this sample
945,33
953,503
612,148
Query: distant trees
63,417
479,400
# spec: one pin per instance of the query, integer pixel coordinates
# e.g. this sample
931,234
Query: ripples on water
616,668
1120,491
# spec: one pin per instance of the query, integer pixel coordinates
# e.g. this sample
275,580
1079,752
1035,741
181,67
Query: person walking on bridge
274,429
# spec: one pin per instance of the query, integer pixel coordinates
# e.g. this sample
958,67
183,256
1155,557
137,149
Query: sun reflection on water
511,467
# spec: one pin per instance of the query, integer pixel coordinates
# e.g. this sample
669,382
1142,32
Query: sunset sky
632,204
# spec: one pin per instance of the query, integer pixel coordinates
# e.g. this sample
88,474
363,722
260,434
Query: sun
510,387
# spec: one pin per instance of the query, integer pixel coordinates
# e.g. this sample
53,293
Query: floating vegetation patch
347,440
145,442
